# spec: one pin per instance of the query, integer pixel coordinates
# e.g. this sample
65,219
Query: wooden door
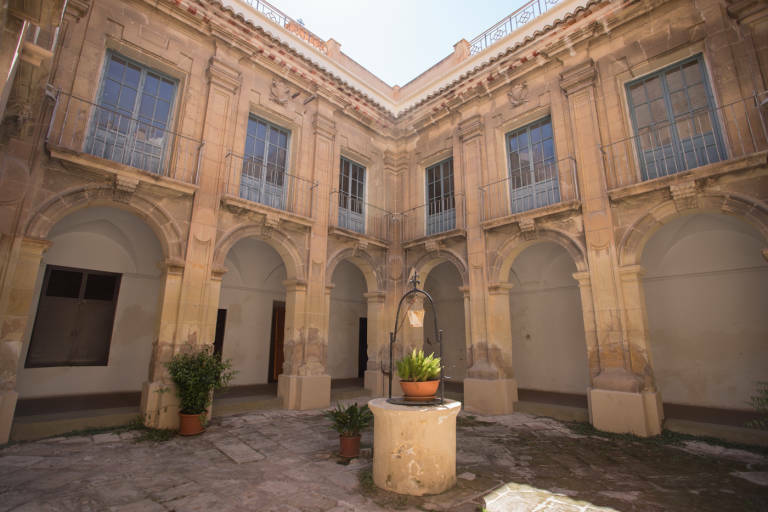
218,339
276,356
362,348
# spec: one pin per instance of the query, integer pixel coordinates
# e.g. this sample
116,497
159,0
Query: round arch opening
347,323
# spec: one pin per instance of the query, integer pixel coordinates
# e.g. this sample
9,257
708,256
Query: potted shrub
419,375
348,422
197,373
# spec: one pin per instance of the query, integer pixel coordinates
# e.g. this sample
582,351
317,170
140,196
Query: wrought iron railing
702,137
514,21
278,17
84,127
437,216
545,183
261,182
347,212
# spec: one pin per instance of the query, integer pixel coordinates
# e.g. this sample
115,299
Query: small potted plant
197,373
348,422
419,375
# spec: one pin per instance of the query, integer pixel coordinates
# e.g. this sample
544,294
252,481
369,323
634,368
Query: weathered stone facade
570,66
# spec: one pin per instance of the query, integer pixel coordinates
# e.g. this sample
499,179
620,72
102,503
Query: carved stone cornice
747,10
470,128
578,77
223,75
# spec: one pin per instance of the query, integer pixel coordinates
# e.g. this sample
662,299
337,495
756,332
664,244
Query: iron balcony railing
352,214
541,184
514,21
278,17
437,216
84,127
698,138
262,182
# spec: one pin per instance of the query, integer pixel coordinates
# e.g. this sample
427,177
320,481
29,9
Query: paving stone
238,451
18,461
139,506
757,477
106,438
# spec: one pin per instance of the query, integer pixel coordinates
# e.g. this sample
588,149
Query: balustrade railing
437,216
278,17
699,138
81,126
261,182
352,214
545,183
514,21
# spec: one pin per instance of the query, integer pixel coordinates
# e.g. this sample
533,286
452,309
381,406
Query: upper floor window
441,204
351,196
674,120
265,163
533,175
130,123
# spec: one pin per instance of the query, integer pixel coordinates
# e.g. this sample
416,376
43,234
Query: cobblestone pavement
285,461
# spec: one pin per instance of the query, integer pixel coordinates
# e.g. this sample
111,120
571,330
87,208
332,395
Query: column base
490,396
159,405
625,412
300,392
7,408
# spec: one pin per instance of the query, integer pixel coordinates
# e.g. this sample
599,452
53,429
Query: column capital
631,272
470,128
578,77
324,126
173,266
217,273
295,285
500,288
221,74
583,278
35,245
375,297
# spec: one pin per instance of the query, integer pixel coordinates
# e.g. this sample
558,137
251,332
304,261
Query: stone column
159,404
305,384
616,399
15,310
488,386
377,338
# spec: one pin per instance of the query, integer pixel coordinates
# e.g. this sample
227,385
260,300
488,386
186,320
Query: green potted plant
197,373
419,375
348,422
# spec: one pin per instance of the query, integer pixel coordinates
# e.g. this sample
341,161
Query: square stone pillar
15,310
374,378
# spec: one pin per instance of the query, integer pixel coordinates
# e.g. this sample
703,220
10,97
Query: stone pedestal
623,412
414,447
7,407
490,396
301,392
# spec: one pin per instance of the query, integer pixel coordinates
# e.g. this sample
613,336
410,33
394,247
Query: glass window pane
132,75
659,111
637,93
653,88
166,90
150,84
675,80
698,96
692,72
116,68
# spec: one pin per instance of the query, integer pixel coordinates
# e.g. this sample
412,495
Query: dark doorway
362,348
218,339
276,340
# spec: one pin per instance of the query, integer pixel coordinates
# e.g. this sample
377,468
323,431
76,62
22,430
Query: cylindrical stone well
414,447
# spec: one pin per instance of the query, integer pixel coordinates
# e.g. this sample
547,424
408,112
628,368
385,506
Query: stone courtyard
281,460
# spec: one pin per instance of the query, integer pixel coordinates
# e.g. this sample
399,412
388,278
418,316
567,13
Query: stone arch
275,238
431,259
510,249
362,260
751,210
49,213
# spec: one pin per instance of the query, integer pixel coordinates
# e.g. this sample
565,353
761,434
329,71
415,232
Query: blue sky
397,39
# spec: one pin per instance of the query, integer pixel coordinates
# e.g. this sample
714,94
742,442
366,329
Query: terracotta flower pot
190,424
349,446
424,390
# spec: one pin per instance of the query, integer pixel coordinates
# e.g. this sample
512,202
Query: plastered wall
443,285
255,273
548,348
706,290
347,307
111,240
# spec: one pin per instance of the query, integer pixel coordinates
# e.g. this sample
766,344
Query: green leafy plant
417,367
197,372
760,404
349,421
